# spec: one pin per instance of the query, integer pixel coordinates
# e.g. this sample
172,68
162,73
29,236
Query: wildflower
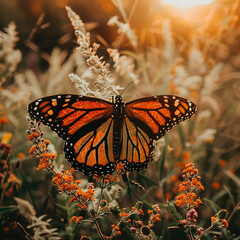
21,155
73,219
188,198
141,211
122,214
3,120
199,231
216,185
90,185
6,229
30,137
225,223
79,219
222,162
120,167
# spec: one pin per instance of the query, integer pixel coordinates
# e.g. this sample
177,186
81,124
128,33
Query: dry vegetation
190,191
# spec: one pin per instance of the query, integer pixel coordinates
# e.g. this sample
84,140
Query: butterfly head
119,106
118,99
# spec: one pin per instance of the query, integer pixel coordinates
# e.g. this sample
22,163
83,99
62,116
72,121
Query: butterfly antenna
108,88
125,88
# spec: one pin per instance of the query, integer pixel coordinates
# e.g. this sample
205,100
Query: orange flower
3,120
33,148
30,137
156,217
79,219
122,214
35,134
73,219
106,180
222,162
181,200
141,211
120,167
21,155
197,183
150,212
225,223
6,229
168,196
213,219
216,185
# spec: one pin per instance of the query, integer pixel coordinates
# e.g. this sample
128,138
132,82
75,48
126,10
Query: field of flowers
191,189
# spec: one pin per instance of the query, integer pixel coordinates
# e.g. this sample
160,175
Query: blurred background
146,18
187,48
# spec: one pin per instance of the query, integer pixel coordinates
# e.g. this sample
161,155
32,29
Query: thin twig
100,197
207,230
234,210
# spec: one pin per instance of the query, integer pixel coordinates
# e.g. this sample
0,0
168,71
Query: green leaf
212,204
233,177
173,210
8,209
162,160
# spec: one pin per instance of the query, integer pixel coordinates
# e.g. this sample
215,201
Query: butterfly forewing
85,125
156,115
70,115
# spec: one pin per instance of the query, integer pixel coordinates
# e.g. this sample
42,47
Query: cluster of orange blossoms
139,228
76,219
154,214
191,183
64,180
107,179
40,148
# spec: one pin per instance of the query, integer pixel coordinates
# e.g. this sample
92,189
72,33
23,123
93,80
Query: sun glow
186,3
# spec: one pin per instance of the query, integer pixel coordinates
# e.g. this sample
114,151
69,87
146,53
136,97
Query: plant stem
208,229
100,197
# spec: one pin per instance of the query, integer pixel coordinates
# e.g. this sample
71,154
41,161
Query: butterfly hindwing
137,147
156,115
92,153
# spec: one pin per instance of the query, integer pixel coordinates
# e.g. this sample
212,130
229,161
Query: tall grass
203,68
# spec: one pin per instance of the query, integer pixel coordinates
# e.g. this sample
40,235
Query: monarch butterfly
99,134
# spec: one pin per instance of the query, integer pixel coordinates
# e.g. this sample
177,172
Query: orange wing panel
144,116
65,112
91,105
94,115
146,105
71,118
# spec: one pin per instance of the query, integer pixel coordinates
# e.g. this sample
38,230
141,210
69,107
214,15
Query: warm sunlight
186,3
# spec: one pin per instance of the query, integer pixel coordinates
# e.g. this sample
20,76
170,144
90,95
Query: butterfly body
99,134
119,114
